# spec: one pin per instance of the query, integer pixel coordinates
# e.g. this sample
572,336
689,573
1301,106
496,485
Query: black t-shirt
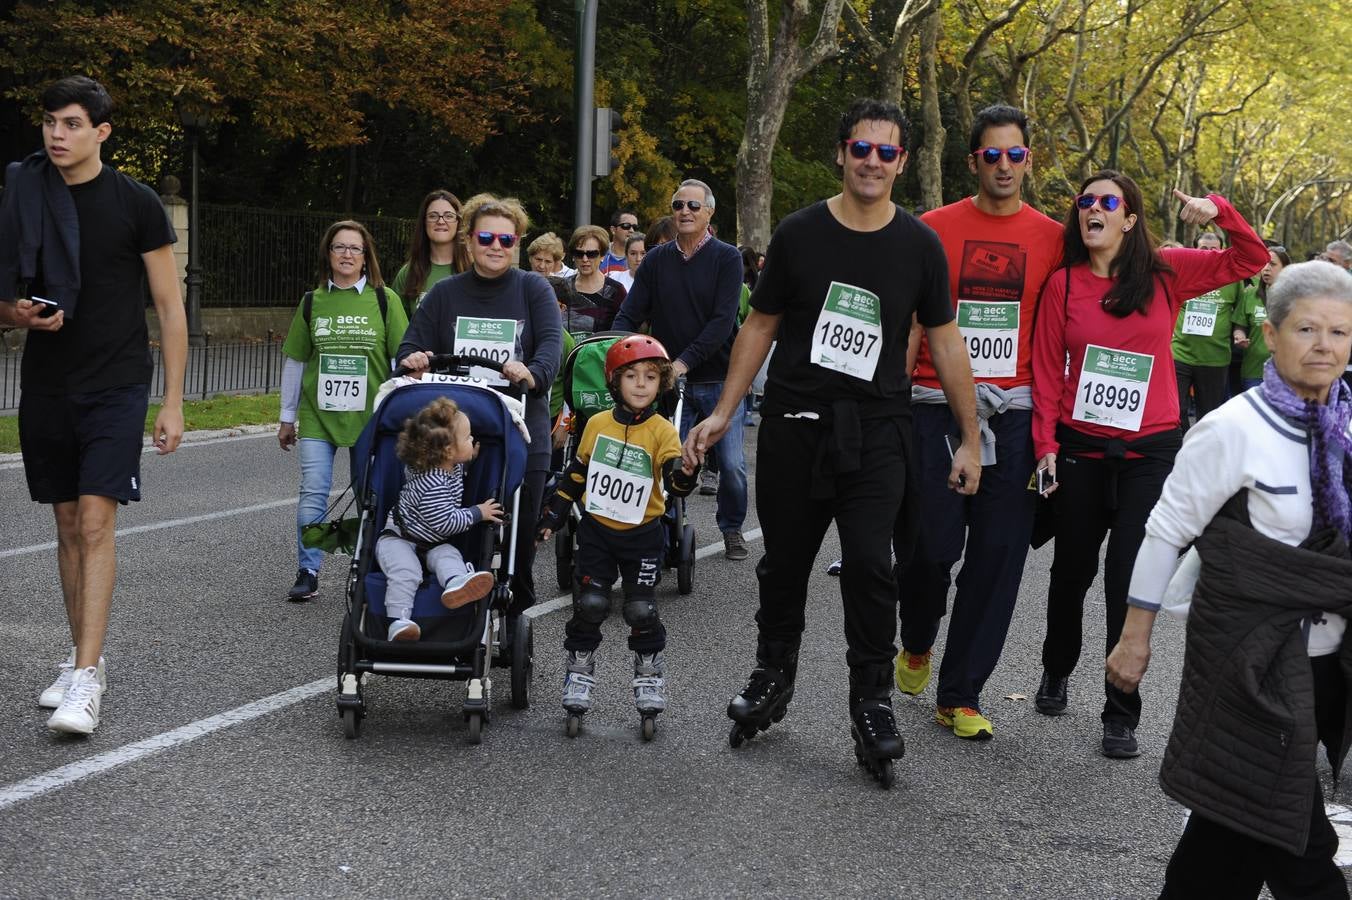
106,343
813,256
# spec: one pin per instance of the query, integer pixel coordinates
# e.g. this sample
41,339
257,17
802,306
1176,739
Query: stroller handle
458,364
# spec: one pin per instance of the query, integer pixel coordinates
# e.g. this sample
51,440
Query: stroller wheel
476,725
685,568
523,664
351,724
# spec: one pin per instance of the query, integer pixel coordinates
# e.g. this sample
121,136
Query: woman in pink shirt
1105,418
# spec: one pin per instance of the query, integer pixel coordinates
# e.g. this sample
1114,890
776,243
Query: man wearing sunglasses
688,291
842,280
1000,251
622,224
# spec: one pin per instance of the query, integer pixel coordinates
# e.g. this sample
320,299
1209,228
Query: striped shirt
429,505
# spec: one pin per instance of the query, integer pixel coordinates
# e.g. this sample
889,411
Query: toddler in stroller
434,446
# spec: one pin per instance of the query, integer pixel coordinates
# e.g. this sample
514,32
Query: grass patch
221,411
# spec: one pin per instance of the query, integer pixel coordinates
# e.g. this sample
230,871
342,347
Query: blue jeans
700,400
316,480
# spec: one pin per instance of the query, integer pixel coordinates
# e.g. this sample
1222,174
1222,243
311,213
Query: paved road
170,798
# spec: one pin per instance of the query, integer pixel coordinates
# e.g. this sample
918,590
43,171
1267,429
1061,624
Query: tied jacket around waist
1243,745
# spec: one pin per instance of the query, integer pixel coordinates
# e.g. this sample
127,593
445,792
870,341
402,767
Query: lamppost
192,127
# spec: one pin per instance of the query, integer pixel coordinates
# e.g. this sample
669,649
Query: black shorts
84,444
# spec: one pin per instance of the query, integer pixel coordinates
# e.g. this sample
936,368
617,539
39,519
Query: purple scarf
1330,480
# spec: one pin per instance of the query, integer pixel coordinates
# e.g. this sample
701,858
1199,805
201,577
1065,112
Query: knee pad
640,614
592,604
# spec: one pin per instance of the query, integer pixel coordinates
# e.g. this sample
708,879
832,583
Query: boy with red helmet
627,462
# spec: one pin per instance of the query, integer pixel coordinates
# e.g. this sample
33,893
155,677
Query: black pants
1211,860
1086,511
607,554
1210,385
795,510
988,532
523,582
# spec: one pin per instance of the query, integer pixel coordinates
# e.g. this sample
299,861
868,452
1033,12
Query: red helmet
632,349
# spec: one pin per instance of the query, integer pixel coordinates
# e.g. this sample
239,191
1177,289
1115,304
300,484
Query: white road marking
17,462
171,523
66,775
102,762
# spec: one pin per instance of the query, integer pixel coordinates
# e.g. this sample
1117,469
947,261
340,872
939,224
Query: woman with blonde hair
500,311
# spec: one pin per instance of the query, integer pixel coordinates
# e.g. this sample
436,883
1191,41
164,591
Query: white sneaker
466,589
79,709
51,697
403,630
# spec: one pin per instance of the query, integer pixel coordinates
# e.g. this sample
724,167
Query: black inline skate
872,725
765,699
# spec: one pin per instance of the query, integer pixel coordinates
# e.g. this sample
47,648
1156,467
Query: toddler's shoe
465,589
404,630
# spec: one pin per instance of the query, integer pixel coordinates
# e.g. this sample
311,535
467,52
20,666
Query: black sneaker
305,588
1119,741
1051,695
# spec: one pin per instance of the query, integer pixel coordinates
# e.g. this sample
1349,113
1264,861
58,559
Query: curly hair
481,205
428,435
666,375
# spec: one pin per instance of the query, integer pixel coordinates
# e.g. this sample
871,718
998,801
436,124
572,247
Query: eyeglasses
861,149
627,226
345,249
1109,202
485,239
434,217
693,205
991,155
586,254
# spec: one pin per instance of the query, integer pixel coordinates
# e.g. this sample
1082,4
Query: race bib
1259,316
619,481
848,336
342,383
991,333
1199,316
494,339
1112,388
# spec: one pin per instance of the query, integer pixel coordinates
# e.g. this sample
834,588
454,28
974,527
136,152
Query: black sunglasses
694,205
587,254
627,226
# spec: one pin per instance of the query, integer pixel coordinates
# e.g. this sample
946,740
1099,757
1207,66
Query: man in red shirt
1000,251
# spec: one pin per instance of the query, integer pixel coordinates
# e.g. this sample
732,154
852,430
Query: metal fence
266,257
233,368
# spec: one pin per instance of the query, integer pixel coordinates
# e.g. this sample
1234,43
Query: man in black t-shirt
78,243
842,280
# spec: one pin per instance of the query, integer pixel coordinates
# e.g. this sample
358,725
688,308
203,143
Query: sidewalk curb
190,437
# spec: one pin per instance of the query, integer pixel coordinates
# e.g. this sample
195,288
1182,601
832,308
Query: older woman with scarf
1262,487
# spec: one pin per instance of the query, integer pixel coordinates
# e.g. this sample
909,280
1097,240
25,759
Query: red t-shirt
993,262
1066,329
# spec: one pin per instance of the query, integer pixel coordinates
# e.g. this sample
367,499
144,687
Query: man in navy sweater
687,290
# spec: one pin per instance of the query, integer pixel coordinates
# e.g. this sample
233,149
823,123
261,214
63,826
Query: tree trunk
775,66
930,155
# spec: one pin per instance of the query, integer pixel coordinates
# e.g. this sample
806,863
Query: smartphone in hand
1045,481
49,307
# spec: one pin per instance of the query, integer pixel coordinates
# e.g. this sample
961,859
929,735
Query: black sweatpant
795,510
1209,384
523,582
988,532
1211,860
1086,511
607,554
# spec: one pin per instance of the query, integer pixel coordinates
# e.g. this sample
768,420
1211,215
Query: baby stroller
456,645
584,387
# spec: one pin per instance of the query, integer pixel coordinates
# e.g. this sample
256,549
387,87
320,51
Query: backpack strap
384,306
306,305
